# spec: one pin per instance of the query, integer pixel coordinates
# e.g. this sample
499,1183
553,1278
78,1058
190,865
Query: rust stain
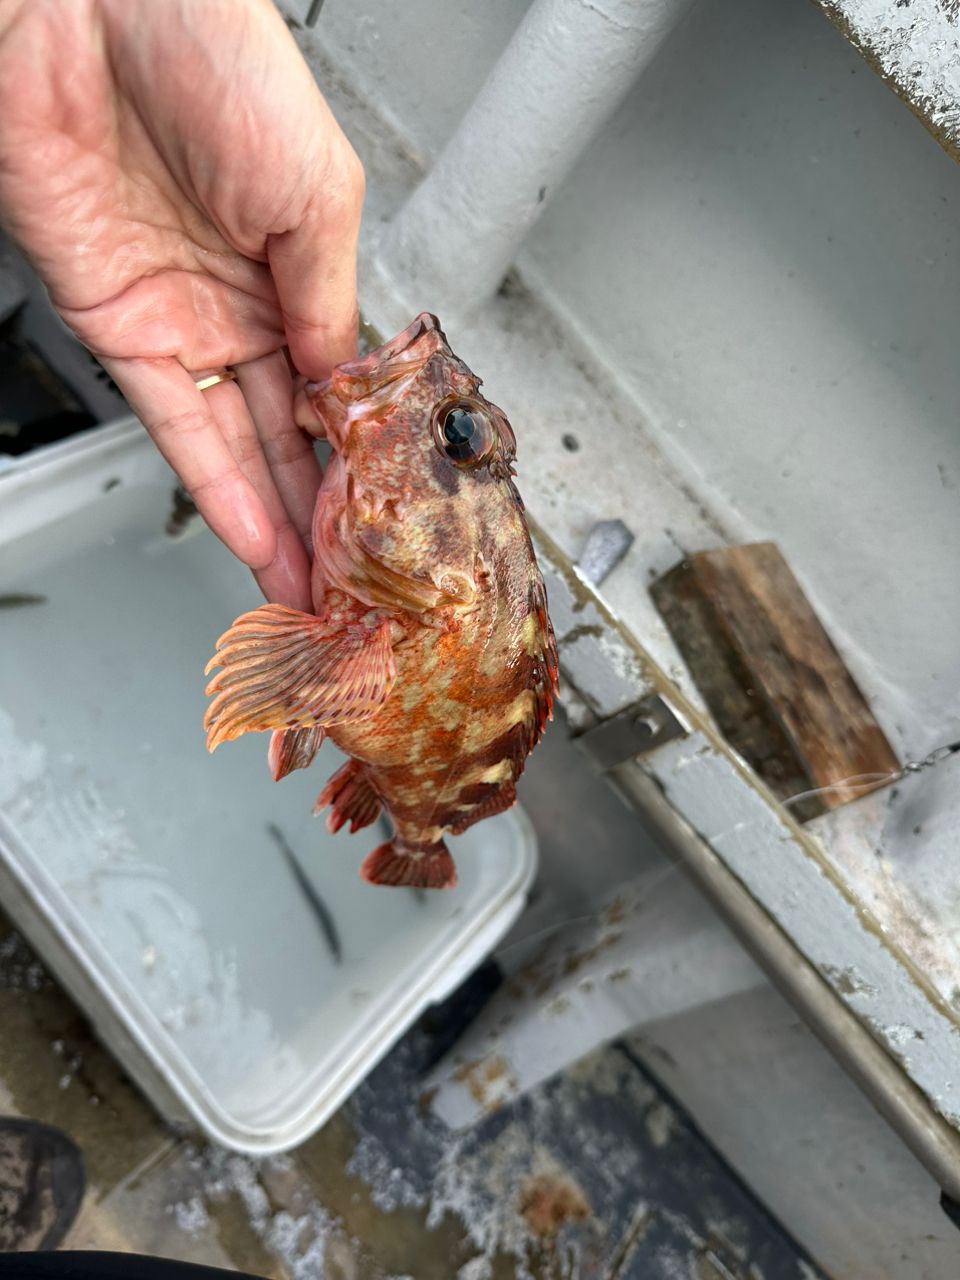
488,1081
532,981
575,960
540,978
425,1100
617,911
548,1203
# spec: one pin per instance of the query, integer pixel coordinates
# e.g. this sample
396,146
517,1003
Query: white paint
421,86
654,950
564,72
898,850
762,249
813,910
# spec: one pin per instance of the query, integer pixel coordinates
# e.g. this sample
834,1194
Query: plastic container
148,873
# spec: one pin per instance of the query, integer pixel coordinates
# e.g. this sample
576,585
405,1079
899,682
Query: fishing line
651,884
863,781
869,781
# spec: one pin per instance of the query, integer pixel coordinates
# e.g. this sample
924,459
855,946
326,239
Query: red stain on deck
548,1203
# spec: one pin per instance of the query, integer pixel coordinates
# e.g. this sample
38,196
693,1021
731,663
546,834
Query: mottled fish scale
430,659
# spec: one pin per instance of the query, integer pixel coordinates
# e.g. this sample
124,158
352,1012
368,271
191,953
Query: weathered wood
776,686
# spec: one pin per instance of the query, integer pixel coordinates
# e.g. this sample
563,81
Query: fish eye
464,432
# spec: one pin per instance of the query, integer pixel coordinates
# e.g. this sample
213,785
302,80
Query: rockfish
429,658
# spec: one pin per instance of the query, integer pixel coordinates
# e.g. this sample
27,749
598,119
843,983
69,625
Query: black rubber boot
41,1185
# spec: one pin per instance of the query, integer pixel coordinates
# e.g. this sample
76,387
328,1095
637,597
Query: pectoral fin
282,669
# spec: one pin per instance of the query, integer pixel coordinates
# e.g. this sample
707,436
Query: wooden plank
772,679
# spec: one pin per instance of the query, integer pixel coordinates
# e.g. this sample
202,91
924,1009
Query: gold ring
225,375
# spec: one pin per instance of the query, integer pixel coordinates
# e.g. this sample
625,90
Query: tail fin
392,864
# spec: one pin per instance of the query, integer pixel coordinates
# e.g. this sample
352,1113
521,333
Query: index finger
164,397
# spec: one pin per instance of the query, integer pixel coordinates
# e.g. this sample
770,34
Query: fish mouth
424,323
407,353
325,409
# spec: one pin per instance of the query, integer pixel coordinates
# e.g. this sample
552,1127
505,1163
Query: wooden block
774,683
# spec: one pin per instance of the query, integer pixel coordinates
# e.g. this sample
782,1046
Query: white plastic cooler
146,871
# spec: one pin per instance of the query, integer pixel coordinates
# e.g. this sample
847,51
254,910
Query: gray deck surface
597,1174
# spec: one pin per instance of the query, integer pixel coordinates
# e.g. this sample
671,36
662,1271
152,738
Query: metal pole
566,69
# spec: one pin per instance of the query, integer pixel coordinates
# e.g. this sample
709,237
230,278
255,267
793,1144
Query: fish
429,659
320,909
18,599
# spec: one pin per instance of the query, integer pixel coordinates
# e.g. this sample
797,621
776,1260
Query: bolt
647,724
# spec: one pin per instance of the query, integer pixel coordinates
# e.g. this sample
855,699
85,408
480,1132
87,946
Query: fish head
418,503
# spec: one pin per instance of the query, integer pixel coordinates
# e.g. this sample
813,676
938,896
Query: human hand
190,202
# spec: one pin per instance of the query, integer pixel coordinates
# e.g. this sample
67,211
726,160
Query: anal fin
499,800
351,797
293,749
392,864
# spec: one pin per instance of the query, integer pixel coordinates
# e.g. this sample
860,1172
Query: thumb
314,267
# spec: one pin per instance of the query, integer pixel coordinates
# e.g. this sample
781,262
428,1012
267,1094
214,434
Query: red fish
429,658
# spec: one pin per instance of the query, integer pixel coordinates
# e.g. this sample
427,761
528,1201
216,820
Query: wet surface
596,1174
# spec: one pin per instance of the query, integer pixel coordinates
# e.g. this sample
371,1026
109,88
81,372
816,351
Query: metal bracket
606,545
638,729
